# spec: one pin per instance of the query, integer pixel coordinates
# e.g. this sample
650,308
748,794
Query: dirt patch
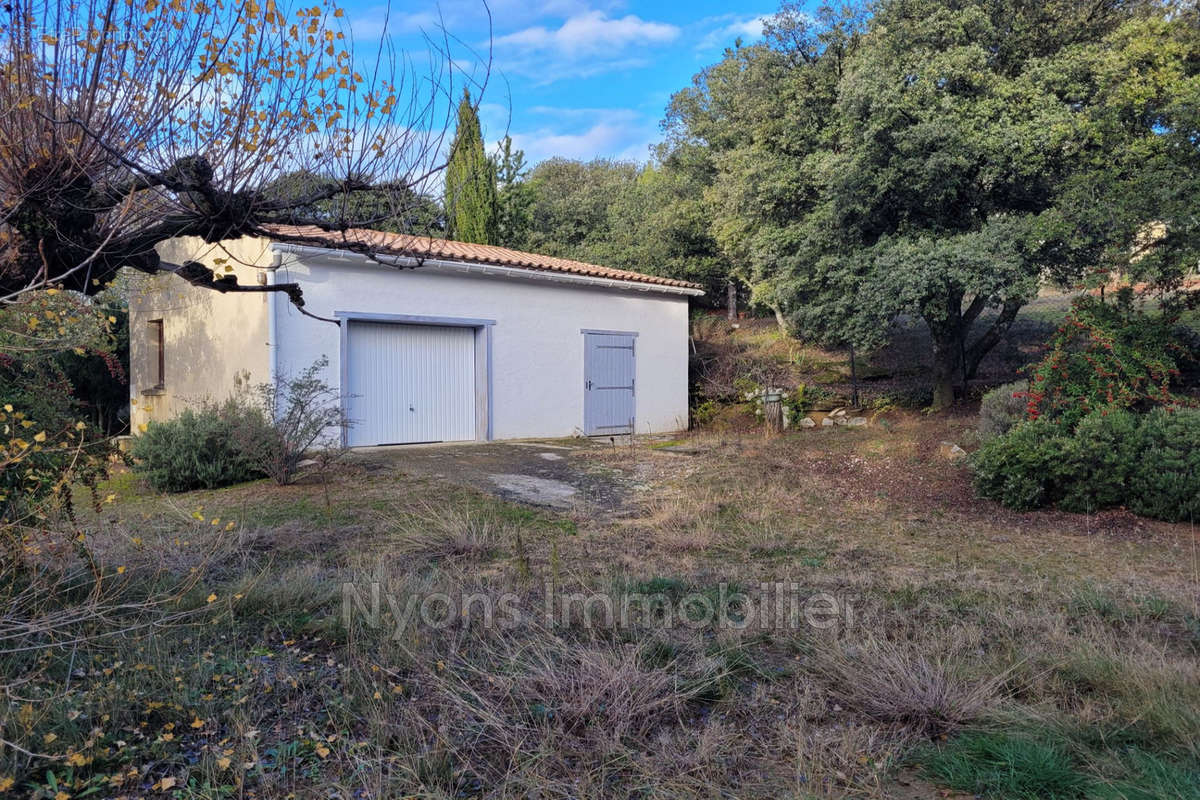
561,474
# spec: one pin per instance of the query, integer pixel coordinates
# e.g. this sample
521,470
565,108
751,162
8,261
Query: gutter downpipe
273,320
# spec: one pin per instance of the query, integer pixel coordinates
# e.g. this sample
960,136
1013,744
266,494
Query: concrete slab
556,474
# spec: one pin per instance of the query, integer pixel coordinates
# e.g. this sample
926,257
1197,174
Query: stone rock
951,452
856,422
827,422
807,422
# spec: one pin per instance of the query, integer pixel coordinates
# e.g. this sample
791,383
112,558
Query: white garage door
410,383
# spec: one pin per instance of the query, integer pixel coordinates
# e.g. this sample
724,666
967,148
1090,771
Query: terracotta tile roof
399,244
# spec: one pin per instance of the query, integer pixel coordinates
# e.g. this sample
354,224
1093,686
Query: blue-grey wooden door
609,388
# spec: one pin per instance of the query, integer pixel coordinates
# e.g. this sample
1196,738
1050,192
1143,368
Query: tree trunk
953,360
974,355
731,301
853,378
780,320
946,350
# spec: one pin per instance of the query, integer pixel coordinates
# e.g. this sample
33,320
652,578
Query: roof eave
496,270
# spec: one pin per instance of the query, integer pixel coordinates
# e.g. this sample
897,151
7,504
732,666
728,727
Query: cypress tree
472,206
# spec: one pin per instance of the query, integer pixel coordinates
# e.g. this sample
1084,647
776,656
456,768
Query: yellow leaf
223,763
142,427
166,737
62,796
322,751
197,723
166,783
6,783
120,570
8,407
113,320
76,760
52,41
211,598
49,737
40,436
80,426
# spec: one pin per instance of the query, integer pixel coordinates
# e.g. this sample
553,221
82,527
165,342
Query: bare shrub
304,417
893,683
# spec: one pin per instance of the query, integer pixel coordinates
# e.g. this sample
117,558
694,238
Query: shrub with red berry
1108,355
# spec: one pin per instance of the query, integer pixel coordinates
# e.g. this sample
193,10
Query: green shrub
200,449
48,444
1002,408
797,402
1166,482
705,413
1019,469
1148,462
1096,466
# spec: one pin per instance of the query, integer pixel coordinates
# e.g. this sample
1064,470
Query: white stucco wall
537,341
211,339
214,341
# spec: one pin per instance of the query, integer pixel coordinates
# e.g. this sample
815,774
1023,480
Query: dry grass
894,682
444,531
964,616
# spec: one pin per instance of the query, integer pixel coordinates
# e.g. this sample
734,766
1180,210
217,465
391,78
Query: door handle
588,386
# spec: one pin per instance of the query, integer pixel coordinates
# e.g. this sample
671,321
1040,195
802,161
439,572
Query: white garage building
428,340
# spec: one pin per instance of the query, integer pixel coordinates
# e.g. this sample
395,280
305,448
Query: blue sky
583,79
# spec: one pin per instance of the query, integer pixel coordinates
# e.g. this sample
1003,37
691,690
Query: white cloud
462,17
587,133
585,44
730,28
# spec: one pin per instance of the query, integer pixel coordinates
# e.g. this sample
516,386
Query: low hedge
1148,463
201,449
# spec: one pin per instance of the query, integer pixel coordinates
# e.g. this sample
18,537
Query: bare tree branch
124,125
